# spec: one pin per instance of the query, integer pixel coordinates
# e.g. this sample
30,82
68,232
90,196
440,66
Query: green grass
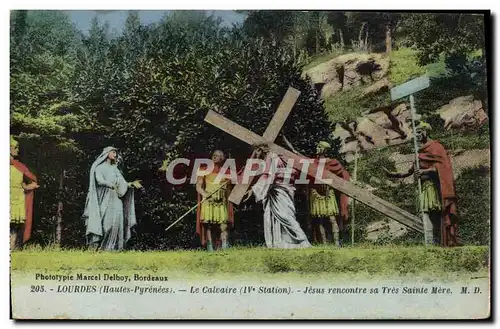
348,105
370,260
453,140
344,106
404,66
466,142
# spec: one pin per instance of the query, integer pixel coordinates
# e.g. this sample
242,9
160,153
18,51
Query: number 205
37,289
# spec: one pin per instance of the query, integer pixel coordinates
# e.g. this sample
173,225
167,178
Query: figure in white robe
276,192
109,211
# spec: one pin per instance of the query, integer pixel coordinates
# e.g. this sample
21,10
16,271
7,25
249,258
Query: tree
338,22
375,28
442,33
273,25
42,113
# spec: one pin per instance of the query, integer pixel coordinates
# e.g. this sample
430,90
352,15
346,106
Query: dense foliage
147,92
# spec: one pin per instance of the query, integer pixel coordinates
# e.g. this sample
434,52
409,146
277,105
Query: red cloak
28,198
336,168
433,154
200,229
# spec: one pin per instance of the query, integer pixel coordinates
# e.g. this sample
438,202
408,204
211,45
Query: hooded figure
109,210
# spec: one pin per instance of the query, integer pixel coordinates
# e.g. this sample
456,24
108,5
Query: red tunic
28,199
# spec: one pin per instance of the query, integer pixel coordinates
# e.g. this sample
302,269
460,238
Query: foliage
473,189
43,115
438,33
273,25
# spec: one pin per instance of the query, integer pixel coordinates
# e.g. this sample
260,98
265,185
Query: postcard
249,164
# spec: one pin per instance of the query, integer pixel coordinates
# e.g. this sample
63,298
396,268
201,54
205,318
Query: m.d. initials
465,290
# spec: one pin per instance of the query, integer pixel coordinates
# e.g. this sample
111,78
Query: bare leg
210,246
335,230
13,238
314,232
322,232
436,226
224,236
428,227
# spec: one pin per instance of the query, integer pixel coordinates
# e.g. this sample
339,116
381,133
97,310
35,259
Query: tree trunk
360,36
341,36
295,46
318,31
366,39
388,38
60,209
317,42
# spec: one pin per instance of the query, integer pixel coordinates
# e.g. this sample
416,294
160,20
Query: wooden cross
327,178
272,131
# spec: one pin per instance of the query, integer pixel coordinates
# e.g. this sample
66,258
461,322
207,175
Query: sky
116,18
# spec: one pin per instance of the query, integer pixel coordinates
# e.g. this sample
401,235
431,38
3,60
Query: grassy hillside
348,105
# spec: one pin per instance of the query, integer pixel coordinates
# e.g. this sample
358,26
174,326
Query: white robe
281,229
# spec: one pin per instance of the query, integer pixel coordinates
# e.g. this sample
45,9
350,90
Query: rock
403,163
376,229
347,71
372,135
330,88
462,113
324,72
382,85
381,127
470,159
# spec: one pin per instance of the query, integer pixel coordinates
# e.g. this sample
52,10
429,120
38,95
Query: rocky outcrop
382,85
381,127
350,70
463,113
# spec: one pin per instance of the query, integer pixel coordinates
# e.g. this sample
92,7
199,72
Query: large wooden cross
327,177
272,131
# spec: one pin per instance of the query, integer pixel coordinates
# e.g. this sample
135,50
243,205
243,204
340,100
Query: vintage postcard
249,164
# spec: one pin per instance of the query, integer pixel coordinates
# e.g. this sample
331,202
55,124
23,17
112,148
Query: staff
417,167
196,205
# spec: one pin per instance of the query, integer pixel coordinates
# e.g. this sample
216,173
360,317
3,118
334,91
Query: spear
196,205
